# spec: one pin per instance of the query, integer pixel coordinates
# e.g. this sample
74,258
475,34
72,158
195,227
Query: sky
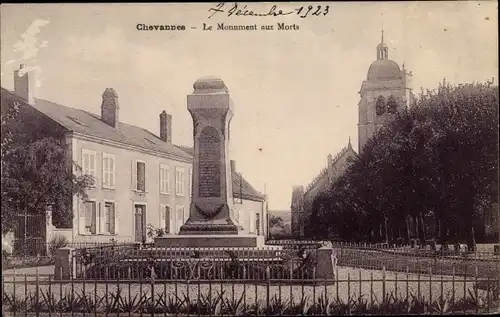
295,92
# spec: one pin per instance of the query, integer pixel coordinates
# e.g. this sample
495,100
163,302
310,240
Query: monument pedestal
211,214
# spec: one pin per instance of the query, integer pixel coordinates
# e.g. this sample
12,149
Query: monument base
206,241
208,229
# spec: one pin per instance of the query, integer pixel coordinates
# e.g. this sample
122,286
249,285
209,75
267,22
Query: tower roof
383,68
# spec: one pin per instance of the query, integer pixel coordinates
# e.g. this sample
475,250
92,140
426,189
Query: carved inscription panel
210,163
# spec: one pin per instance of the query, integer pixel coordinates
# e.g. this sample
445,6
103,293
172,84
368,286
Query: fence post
383,285
326,262
64,267
268,285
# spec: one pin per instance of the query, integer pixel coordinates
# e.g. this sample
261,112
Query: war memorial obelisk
211,220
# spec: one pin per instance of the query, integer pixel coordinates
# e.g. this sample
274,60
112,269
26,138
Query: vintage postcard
246,158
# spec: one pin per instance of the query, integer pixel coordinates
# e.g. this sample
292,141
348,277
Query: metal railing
355,292
127,262
42,253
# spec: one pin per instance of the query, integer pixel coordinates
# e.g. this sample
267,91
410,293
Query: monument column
211,210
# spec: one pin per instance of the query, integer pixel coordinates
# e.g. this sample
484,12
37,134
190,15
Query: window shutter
145,177
102,218
168,176
168,225
92,164
161,215
85,163
162,188
111,168
105,180
93,228
81,217
134,175
116,225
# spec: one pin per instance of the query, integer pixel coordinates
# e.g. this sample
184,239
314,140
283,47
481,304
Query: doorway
140,223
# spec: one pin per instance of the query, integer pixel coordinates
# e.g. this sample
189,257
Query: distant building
387,89
140,178
302,200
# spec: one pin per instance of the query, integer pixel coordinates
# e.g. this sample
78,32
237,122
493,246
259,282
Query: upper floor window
89,164
165,179
179,181
139,176
108,171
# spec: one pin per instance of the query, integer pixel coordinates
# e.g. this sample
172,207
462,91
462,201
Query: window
380,106
109,217
190,182
164,179
108,171
90,217
89,164
392,105
139,176
165,218
180,217
179,181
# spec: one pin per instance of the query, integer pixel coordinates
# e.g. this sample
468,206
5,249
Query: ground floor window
90,217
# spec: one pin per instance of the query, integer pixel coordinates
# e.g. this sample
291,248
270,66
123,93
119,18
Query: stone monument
211,220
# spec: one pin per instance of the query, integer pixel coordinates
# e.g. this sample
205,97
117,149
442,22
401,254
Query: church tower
387,89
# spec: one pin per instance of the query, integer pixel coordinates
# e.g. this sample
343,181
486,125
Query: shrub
118,302
57,242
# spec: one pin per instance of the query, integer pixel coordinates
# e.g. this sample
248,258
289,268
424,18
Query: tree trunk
408,234
386,231
471,239
442,231
421,231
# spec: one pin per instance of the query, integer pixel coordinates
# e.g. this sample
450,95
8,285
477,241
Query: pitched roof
88,123
245,191
348,150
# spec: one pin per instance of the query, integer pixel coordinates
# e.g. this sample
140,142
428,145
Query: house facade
140,179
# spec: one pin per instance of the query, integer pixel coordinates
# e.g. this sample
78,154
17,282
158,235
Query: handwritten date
274,11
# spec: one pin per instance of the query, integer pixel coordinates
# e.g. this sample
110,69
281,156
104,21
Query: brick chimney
166,127
110,107
25,84
233,166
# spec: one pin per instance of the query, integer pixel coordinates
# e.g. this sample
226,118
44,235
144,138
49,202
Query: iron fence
351,292
42,253
455,260
128,262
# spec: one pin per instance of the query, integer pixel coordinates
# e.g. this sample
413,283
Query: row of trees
437,160
36,170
